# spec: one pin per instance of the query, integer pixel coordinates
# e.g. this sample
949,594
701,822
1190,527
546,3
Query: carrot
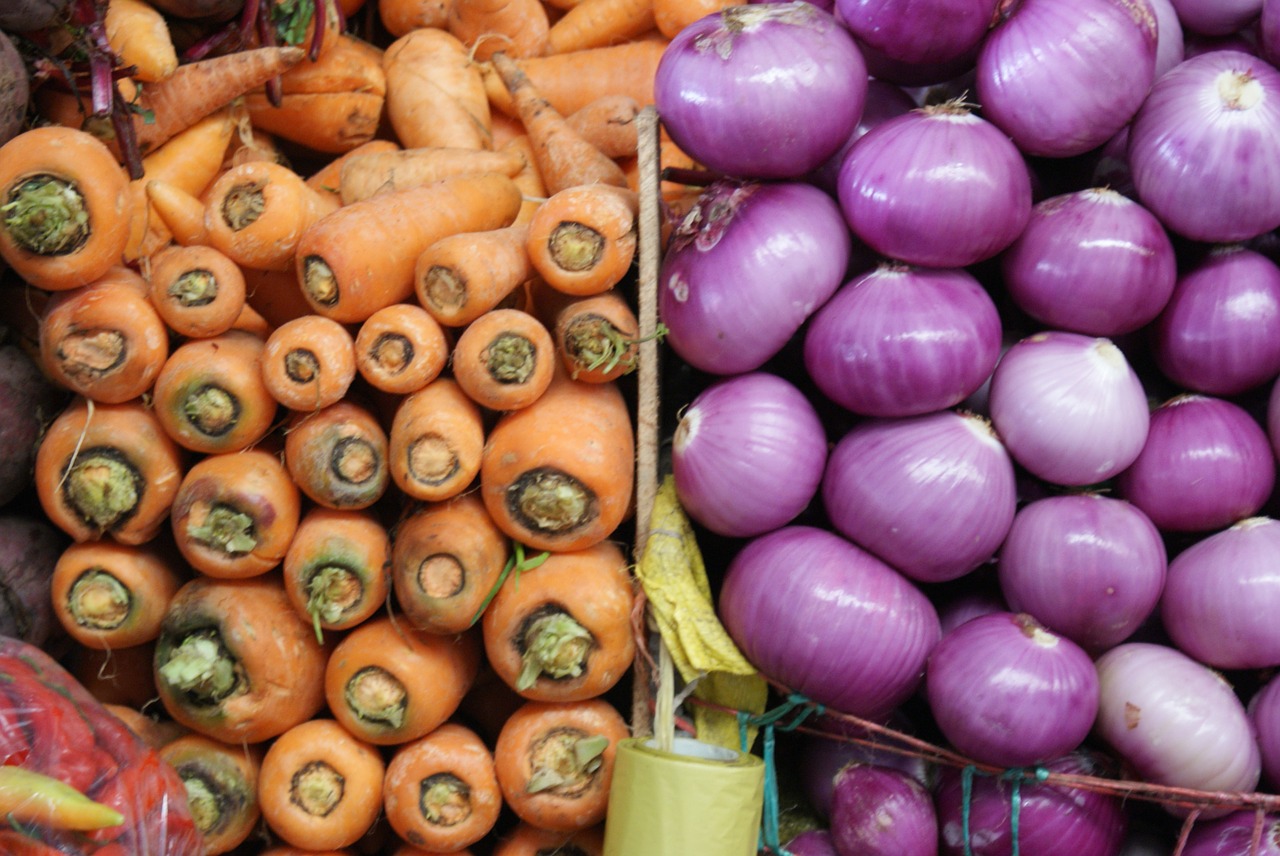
275,294
155,732
328,177
181,213
118,676
348,279
440,791
198,291
558,474
445,562
235,662
597,337
388,683
336,571
564,158
65,201
407,849
400,348
436,441
338,455
599,23
435,94
378,172
104,340
401,17
529,180
210,397
308,363
555,762
320,787
460,277
251,321
583,239
518,27
107,469
139,35
570,81
672,16
235,514
504,360
609,124
221,781
110,595
527,840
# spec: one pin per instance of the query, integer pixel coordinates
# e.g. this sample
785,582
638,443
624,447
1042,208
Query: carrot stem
201,667
46,216
224,528
102,488
566,759
517,563
331,591
98,600
555,644
376,695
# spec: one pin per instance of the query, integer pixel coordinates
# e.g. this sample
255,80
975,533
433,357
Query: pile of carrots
350,461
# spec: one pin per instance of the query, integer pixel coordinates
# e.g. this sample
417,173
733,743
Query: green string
1015,775
768,722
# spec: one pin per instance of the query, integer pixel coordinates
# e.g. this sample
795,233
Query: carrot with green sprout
597,337
337,569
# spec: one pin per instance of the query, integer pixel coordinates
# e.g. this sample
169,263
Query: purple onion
1069,408
827,619
1203,147
1087,566
748,455
932,495
957,610
915,42
884,101
819,757
903,341
1264,713
880,811
744,269
1269,31
1063,76
1169,46
1091,261
936,187
766,90
813,842
1216,17
1234,834
1220,332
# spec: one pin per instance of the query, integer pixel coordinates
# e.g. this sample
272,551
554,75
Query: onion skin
884,101
1169,43
1264,713
917,42
879,811
827,619
1216,17
1232,834
820,758
814,842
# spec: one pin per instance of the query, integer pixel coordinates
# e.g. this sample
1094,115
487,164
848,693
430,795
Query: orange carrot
436,441
328,178
336,569
570,81
555,762
338,455
435,94
517,27
564,158
597,337
388,683
504,360
308,363
348,279
461,277
275,294
251,321
180,211
320,787
599,23
139,35
440,791
116,676
528,840
401,348
583,239
107,469
400,17
529,180
154,731
366,175
65,204
609,124
198,291
221,781
235,514
672,16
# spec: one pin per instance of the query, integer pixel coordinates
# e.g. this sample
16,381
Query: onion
819,758
744,269
748,455
1069,407
813,842
1091,261
903,341
1234,834
884,101
827,619
932,495
1087,566
1220,332
1273,418
1269,31
915,42
1206,464
1204,146
1169,47
1062,76
880,811
937,187
1174,720
1216,17
765,90
1264,713
956,611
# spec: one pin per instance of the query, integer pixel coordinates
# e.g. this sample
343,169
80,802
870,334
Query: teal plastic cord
768,723
1015,775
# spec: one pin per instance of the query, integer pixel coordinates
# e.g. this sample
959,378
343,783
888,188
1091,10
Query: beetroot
28,400
29,548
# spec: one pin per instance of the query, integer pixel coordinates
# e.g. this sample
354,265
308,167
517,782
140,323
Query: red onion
932,495
1203,146
813,842
879,811
744,269
1087,566
915,42
903,341
1169,48
1216,17
1062,76
827,619
1175,721
1206,464
1233,835
884,101
819,758
765,90
1091,261
1220,332
748,455
1069,407
1269,31
937,187
958,610
1264,713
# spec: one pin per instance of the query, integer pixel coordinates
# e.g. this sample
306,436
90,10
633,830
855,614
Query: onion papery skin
1063,76
1203,147
745,268
1091,261
826,618
917,42
1233,834
1216,17
748,455
765,90
813,842
936,187
1264,713
880,811
932,495
1053,820
1221,597
1006,691
1220,332
903,341
1069,408
1206,464
1087,566
1174,720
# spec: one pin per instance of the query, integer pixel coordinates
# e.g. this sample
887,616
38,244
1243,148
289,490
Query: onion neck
1239,90
1035,631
